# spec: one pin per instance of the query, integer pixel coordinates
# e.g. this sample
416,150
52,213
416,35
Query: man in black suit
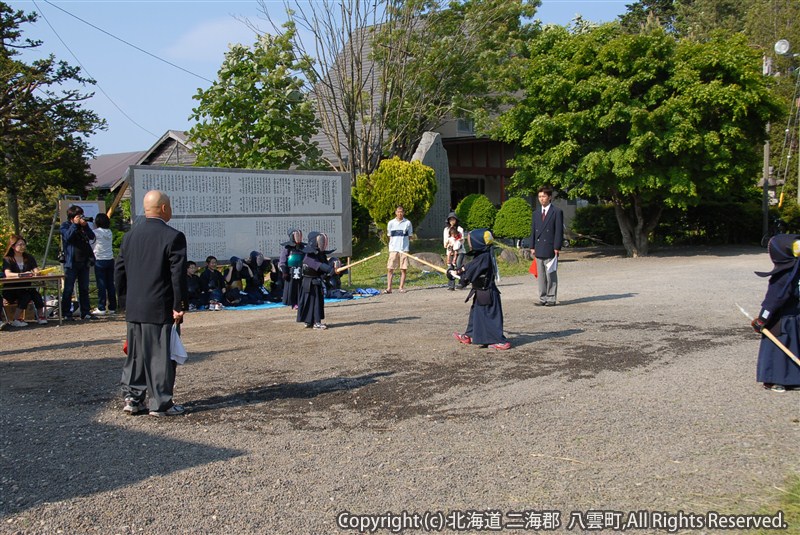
547,238
150,274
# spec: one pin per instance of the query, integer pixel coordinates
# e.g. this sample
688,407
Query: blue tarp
278,305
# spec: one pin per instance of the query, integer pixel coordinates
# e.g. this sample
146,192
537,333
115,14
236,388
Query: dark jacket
150,272
547,235
74,237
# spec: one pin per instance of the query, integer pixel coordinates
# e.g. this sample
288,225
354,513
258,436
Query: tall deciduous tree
385,71
641,120
442,60
43,126
256,115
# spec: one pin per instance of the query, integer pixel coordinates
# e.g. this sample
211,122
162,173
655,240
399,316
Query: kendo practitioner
311,309
290,264
485,326
333,281
780,314
255,286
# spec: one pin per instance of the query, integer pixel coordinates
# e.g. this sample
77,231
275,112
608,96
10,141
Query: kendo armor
295,263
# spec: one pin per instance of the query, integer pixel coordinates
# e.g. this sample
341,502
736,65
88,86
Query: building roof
110,169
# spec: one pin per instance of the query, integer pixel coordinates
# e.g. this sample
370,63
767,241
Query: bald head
156,204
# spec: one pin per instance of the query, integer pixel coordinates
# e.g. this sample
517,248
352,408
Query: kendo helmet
480,239
295,238
317,243
784,250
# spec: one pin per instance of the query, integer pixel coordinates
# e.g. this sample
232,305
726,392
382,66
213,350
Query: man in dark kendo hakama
311,308
290,265
485,325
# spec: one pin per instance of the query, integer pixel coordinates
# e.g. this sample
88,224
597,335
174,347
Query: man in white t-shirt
399,230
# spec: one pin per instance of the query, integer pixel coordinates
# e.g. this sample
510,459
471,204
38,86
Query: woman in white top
104,266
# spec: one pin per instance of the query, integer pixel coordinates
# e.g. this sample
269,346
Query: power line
127,43
89,74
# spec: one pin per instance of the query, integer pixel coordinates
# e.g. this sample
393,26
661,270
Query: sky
141,96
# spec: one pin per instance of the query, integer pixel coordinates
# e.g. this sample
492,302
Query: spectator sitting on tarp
198,299
236,275
260,268
213,284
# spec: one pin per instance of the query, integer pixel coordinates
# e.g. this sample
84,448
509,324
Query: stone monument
431,153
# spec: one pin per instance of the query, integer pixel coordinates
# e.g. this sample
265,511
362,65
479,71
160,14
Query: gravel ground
636,393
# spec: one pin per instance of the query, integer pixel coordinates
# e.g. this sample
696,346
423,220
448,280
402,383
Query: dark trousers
78,272
451,282
104,276
148,367
23,296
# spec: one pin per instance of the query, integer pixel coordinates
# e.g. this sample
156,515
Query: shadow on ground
49,427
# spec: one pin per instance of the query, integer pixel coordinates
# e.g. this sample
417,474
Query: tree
514,219
383,72
43,126
255,115
642,121
410,184
442,61
698,19
644,12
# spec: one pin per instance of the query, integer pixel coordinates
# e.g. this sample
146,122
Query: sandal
402,290
387,291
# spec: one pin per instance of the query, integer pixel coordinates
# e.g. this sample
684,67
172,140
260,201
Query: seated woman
19,264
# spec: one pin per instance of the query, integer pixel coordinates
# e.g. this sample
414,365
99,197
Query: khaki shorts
397,260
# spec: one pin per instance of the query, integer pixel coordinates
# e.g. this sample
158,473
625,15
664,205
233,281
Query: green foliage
35,218
514,219
256,115
361,221
394,182
700,18
43,126
709,223
642,13
463,208
597,221
644,121
438,58
477,211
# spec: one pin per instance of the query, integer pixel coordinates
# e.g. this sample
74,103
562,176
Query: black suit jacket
150,272
547,235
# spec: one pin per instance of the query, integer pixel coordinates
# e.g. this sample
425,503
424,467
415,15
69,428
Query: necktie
543,214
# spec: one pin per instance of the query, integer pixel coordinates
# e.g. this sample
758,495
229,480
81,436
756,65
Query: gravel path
636,393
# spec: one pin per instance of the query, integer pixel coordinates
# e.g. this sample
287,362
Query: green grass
789,502
372,273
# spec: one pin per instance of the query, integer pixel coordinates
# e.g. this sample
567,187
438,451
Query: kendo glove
758,325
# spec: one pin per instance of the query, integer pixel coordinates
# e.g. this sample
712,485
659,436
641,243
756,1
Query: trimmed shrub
597,221
394,182
710,223
476,211
462,210
514,219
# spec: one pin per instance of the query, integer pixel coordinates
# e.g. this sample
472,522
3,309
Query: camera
88,219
